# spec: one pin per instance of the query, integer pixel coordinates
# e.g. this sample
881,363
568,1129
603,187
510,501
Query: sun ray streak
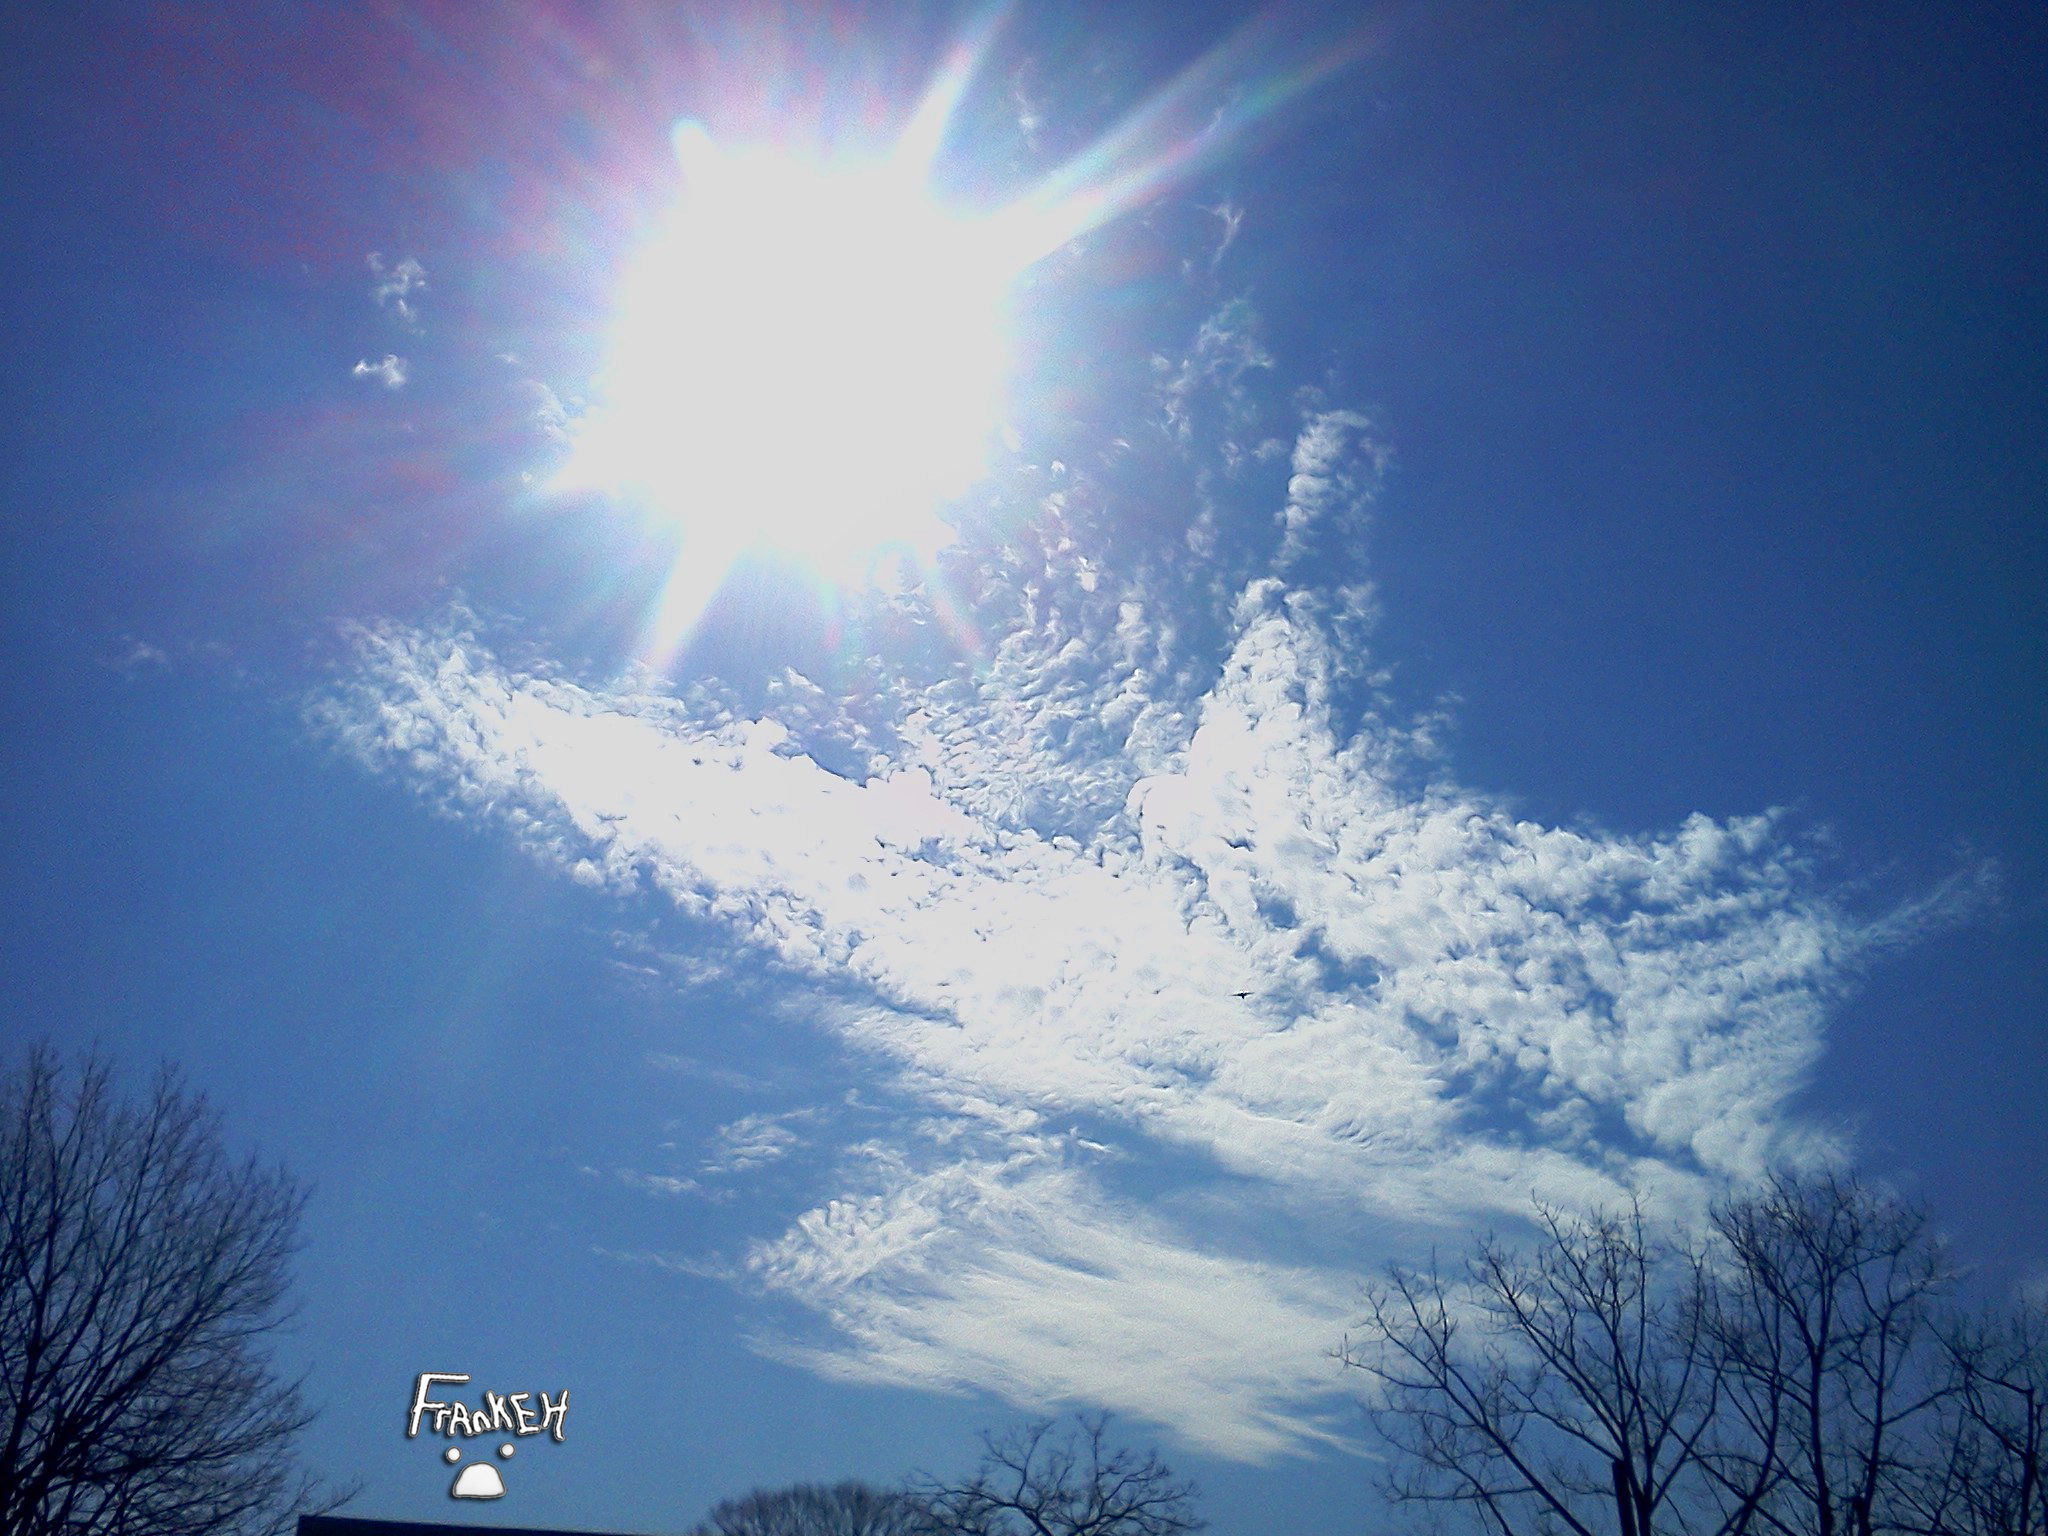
918,148
1160,143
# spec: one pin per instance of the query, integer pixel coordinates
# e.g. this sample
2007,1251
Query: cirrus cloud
1199,983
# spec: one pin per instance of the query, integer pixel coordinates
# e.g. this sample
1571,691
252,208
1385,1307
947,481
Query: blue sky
1511,536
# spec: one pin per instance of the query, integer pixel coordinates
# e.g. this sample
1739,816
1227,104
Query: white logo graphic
506,1414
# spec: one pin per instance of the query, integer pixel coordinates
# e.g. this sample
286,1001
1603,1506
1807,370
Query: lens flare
812,355
808,357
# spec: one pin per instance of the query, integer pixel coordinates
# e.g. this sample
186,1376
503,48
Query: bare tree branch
1824,1314
141,1275
1565,1389
811,1509
1986,1478
1035,1482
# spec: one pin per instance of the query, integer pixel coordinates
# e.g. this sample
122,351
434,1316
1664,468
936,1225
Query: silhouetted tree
813,1509
1037,1481
1564,1389
141,1276
1778,1376
1985,1478
1824,1315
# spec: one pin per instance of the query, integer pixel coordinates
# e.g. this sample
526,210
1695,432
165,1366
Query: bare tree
1565,1389
141,1276
1823,1316
812,1509
1985,1477
1034,1481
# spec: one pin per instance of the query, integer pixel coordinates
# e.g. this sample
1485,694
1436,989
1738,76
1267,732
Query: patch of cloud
1231,216
391,372
1011,1273
136,658
549,416
546,412
754,1141
658,1183
1314,1001
723,1077
1204,393
671,1263
1336,463
139,658
1029,109
397,284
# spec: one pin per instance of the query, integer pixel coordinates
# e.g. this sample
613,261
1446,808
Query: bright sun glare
813,353
809,356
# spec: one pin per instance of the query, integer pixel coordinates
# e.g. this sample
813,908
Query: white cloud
1231,215
724,1077
1204,393
1029,108
1014,1275
397,284
549,416
1032,899
391,372
138,658
658,1183
754,1140
1330,484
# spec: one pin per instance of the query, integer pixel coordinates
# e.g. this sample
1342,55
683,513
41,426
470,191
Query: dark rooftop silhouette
343,1525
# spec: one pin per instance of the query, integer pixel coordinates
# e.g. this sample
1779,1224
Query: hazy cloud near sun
1028,892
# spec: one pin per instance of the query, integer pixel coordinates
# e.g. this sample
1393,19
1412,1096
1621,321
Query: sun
812,353
808,356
